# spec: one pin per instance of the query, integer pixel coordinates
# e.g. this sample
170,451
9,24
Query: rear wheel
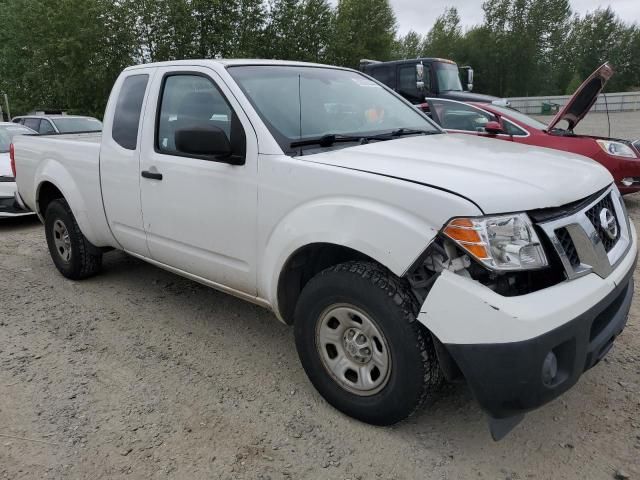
70,251
360,345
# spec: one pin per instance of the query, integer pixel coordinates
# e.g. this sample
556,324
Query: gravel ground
139,373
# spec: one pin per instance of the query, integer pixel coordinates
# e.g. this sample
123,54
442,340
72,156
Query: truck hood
5,165
498,177
583,99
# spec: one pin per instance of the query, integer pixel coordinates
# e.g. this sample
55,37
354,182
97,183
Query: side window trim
156,124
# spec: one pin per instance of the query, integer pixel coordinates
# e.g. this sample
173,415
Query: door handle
151,175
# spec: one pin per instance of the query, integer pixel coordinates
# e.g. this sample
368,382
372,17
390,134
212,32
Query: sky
419,15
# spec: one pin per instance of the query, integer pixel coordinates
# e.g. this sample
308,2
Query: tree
443,40
363,29
62,53
409,46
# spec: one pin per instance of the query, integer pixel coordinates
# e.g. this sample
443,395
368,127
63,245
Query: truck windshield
448,77
302,103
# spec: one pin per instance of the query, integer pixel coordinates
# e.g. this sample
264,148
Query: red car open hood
584,98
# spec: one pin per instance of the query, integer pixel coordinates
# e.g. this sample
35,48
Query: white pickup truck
401,254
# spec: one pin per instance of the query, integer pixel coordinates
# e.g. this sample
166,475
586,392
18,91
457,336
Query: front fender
392,236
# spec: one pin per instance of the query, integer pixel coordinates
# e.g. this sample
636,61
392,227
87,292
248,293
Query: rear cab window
126,120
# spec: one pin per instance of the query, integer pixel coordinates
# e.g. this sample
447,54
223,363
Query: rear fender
54,172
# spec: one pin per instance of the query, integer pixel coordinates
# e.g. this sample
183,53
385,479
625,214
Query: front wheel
71,252
360,345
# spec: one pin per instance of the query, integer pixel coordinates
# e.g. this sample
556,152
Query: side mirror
420,76
208,141
493,128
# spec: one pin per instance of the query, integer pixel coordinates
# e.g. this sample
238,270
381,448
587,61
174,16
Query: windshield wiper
408,131
332,138
328,140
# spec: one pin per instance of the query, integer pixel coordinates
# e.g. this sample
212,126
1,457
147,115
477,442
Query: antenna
608,117
300,106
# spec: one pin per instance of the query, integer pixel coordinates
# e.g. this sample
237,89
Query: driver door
199,212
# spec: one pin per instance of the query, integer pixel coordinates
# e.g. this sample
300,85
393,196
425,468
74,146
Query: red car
620,157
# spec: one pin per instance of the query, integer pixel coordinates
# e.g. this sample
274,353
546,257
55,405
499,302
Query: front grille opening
593,214
568,246
604,318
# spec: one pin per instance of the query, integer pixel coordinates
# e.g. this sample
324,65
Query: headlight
504,242
617,149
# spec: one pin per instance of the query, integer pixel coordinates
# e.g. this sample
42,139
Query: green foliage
363,29
445,37
67,53
575,82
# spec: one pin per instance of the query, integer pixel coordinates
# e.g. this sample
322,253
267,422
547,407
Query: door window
407,80
383,75
459,116
32,123
193,101
512,129
126,120
46,127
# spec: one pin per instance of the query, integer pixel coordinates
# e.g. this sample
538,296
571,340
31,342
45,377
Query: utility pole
6,102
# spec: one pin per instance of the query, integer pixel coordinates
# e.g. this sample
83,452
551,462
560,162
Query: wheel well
47,193
303,265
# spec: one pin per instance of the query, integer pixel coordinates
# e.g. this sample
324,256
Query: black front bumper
507,379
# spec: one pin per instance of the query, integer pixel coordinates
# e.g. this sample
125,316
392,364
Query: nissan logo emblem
608,223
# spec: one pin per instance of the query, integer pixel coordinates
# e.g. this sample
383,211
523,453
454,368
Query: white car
8,205
52,124
400,253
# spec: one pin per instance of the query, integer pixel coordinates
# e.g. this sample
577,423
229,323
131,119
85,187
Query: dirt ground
138,373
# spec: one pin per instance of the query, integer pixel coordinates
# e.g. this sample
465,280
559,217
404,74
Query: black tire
81,259
414,373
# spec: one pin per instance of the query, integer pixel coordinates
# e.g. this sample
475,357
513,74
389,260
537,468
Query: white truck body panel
505,177
72,164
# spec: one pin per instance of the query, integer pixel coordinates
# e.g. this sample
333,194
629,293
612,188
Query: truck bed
73,160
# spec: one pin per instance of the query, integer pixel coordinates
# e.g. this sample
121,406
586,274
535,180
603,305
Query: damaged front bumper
519,353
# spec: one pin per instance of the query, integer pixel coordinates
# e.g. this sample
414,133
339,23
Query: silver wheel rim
353,350
61,240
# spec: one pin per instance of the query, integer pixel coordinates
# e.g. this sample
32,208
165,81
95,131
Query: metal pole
6,102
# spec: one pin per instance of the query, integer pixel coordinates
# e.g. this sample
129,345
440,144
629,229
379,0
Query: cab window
383,75
193,101
459,116
46,127
407,82
126,120
32,123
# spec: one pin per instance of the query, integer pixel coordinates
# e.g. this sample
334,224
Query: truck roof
409,60
232,62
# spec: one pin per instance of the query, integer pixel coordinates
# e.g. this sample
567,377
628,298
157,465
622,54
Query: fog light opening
628,181
550,369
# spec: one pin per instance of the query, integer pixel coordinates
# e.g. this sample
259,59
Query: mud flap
500,427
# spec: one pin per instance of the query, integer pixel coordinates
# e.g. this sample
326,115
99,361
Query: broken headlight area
446,254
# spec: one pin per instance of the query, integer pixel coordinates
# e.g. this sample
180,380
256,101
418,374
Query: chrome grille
567,245
593,215
583,243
